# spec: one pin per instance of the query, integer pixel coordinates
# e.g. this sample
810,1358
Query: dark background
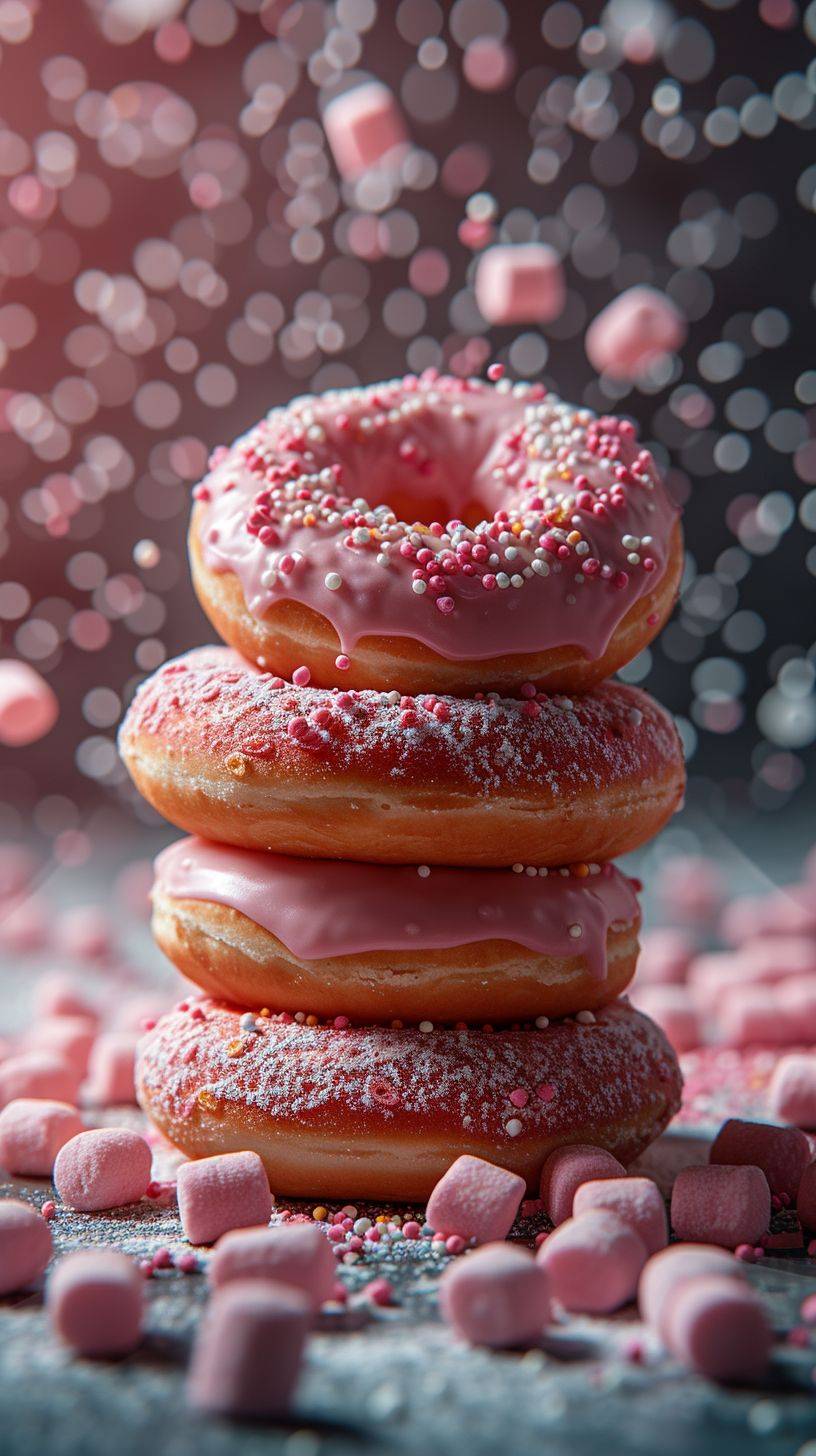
177,253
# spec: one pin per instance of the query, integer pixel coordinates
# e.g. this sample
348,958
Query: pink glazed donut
436,534
375,942
377,1113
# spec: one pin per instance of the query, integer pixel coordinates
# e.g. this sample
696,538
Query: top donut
437,534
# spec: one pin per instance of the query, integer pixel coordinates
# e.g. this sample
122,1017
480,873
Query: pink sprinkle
162,1259
519,1097
455,1244
545,1092
527,690
746,1253
495,372
187,1263
808,1310
411,1229
301,677
48,1209
342,663
341,1022
445,605
337,1234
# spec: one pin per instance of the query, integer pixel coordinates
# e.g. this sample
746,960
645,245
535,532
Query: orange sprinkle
207,1100
579,870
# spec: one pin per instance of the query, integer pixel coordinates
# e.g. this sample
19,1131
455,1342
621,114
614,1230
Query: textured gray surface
394,1380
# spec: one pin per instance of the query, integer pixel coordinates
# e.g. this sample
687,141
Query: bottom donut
367,1112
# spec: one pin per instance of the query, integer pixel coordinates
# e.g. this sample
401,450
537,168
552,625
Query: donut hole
422,507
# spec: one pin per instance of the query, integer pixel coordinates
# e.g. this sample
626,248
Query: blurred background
178,252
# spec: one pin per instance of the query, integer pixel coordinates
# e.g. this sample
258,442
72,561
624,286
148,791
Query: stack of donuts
406,778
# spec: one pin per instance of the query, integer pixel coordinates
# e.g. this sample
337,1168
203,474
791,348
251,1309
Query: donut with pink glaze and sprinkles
378,942
367,1112
433,534
239,756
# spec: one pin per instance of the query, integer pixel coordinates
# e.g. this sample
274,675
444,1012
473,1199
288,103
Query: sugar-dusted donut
437,535
366,1112
378,942
241,757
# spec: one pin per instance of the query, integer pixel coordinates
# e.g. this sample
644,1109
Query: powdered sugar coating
211,702
573,520
619,1070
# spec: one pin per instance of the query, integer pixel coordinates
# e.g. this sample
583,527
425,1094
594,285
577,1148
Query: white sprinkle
513,1127
423,871
362,1225
576,932
518,869
426,1026
586,1018
420,587
542,1022
333,580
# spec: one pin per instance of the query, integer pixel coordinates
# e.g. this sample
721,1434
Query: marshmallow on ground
475,1199
25,1245
111,1069
520,283
567,1168
38,1074
363,126
59,993
498,1296
718,1327
228,1191
789,911
671,1269
249,1348
721,1205
754,1016
593,1262
792,1090
85,932
636,1201
95,1300
69,1037
636,328
295,1253
28,706
32,1131
782,1153
106,1167
806,1199
665,956
673,1008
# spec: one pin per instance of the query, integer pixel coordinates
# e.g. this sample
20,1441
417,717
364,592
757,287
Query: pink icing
325,908
573,528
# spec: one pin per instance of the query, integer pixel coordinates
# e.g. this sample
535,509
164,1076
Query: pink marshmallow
806,1199
665,956
107,1167
635,1201
32,1131
497,1296
133,886
364,127
61,993
593,1262
229,1191
28,706
797,1000
25,925
789,911
721,1205
475,1199
296,1253
690,887
68,1037
566,1169
85,933
37,1074
248,1351
753,1016
632,331
792,1090
782,1153
95,1301
520,283
671,1270
111,1069
25,1245
761,962
673,1008
719,1328
132,1013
